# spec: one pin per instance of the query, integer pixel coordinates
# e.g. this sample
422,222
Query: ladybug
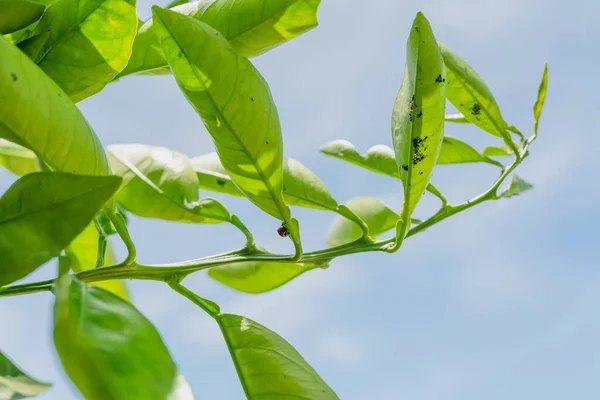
282,231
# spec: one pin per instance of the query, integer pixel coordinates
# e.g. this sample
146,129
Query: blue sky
499,302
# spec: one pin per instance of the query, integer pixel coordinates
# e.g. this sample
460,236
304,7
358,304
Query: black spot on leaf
13,76
221,182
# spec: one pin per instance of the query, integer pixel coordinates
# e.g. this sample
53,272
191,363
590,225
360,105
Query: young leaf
235,104
252,27
418,114
17,159
90,43
159,183
38,115
257,276
41,213
379,158
517,186
379,217
82,253
108,348
456,151
269,368
467,91
15,384
495,151
541,97
18,14
301,187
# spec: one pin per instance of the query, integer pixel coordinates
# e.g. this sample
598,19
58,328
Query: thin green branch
121,227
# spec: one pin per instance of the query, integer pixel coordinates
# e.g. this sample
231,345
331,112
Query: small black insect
282,231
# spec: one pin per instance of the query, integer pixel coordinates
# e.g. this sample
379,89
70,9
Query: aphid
282,231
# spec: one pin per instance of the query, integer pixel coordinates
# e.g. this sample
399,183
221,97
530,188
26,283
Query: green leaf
269,368
258,276
467,91
15,384
541,97
301,187
379,217
517,186
418,114
42,213
235,104
17,159
495,151
379,158
455,151
38,115
82,252
456,118
252,27
18,14
90,43
160,183
108,348
35,46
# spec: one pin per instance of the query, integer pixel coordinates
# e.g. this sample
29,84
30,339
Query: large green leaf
541,97
160,183
15,384
90,42
301,187
37,114
18,14
17,159
269,368
379,217
517,186
108,348
467,91
235,104
42,212
418,114
82,253
258,276
251,26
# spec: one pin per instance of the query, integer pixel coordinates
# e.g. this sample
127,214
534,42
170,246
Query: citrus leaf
301,187
455,151
90,43
235,104
269,368
418,114
15,384
541,98
468,92
456,118
495,151
517,186
160,183
252,27
18,14
17,159
258,276
379,217
108,348
42,213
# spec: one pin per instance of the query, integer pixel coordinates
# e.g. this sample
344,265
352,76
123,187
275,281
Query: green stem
121,227
102,242
235,221
208,306
345,212
177,271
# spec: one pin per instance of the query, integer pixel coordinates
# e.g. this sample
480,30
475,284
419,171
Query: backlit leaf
541,97
456,151
418,114
108,348
269,368
160,183
42,213
251,27
18,14
90,43
301,187
517,186
17,159
456,118
15,384
495,151
235,104
379,217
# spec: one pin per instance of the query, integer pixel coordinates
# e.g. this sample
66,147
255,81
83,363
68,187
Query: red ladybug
282,231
